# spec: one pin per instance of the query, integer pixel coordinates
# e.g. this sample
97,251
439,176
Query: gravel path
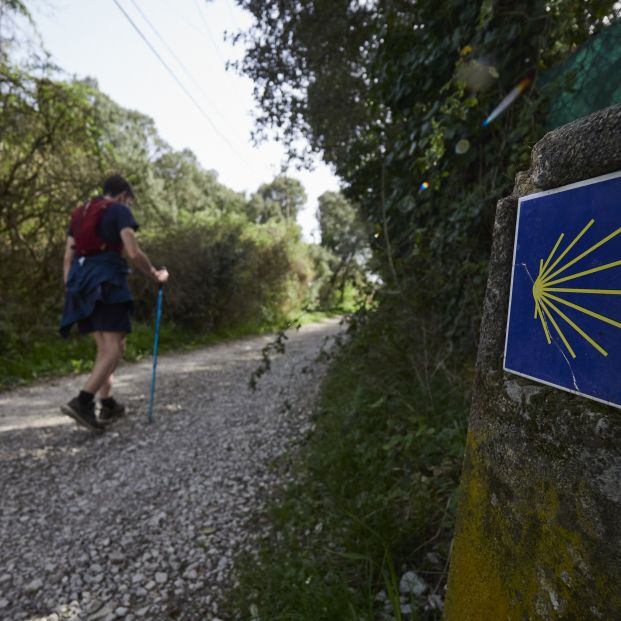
143,521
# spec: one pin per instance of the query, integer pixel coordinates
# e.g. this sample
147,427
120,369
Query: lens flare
424,186
507,101
477,75
463,146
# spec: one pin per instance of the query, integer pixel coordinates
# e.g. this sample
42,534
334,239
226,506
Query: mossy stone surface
539,525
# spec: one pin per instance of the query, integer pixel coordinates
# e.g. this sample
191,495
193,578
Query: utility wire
208,31
176,79
179,61
232,14
192,24
182,17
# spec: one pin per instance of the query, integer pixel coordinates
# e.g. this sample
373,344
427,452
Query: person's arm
68,258
139,259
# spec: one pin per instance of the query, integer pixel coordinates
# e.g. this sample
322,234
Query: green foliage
386,91
236,264
345,237
341,230
42,354
379,88
50,158
374,485
10,12
305,59
229,272
282,198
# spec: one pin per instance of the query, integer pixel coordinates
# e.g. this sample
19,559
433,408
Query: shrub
227,272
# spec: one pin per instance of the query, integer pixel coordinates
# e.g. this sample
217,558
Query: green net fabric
589,80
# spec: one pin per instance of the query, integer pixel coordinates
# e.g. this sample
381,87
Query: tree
345,236
10,12
170,185
340,226
379,88
281,198
307,62
51,158
261,211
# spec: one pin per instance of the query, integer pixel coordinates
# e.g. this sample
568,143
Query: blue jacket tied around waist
99,278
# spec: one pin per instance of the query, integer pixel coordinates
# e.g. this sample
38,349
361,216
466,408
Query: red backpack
85,221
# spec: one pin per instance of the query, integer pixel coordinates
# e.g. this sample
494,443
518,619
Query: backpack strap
85,220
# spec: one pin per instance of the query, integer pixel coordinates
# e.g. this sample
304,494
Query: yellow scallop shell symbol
547,293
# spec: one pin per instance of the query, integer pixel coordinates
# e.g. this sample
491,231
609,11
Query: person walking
97,296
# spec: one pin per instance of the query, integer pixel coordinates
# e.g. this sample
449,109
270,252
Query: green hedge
228,276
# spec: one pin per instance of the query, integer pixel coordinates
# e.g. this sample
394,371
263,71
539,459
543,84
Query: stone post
538,532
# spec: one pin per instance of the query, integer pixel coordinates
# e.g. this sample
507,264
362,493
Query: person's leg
82,407
105,392
109,324
111,409
110,347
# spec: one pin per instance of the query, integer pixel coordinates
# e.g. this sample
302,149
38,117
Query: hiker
97,295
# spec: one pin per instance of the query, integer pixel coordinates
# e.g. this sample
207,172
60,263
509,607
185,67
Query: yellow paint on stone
516,561
476,592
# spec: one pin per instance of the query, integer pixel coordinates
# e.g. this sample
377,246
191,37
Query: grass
42,354
373,494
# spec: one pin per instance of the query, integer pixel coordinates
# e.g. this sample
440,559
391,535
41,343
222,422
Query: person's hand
160,276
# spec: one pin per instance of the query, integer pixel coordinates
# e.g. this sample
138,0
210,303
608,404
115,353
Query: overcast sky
93,38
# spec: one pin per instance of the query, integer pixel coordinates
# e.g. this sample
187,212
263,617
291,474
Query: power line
175,78
235,22
179,61
208,31
192,24
181,16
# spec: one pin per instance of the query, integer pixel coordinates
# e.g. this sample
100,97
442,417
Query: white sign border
564,188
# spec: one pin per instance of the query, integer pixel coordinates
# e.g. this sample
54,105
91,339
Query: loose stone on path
144,521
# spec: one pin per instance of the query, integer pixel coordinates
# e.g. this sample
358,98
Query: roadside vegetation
238,262
394,95
374,495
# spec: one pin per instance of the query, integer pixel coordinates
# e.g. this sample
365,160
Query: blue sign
564,324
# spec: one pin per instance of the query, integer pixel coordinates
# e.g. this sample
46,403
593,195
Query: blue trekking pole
155,342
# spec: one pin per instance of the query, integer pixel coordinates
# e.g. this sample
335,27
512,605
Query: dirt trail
143,521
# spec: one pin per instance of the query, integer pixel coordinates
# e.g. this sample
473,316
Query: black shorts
107,318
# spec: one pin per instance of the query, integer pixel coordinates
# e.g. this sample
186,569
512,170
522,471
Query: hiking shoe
111,413
83,414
